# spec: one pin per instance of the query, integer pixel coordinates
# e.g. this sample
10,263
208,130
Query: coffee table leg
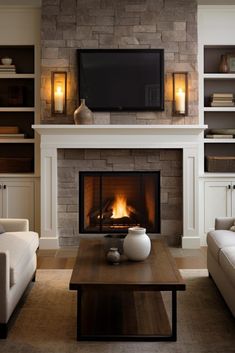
174,315
79,313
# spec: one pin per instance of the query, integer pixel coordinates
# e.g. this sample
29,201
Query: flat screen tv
121,79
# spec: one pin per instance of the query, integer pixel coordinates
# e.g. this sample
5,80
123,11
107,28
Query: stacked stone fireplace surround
71,24
72,161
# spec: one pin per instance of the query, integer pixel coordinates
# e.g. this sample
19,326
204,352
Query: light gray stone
102,29
179,26
55,63
101,118
135,8
144,29
175,36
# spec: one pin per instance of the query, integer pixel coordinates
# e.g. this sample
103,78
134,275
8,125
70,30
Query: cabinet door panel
18,201
218,202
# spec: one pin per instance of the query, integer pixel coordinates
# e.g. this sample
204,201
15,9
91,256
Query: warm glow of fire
120,207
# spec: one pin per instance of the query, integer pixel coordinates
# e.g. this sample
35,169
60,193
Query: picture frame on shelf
231,62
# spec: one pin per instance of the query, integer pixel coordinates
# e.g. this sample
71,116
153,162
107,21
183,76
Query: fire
120,207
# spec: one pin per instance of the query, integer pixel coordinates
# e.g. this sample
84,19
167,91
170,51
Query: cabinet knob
0,187
234,187
229,186
4,186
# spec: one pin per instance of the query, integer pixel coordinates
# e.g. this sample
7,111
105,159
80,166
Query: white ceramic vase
137,244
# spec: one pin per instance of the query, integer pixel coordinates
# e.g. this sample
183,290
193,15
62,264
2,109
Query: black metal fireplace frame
82,176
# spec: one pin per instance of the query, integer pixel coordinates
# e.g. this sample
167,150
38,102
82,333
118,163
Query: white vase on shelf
137,244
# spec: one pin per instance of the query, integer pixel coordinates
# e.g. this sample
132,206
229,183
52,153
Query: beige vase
83,115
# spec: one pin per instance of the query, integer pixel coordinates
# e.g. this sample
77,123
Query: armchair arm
15,225
4,284
224,223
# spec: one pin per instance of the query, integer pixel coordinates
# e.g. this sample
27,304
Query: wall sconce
180,94
58,93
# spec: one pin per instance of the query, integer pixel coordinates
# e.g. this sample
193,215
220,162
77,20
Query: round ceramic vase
83,115
137,244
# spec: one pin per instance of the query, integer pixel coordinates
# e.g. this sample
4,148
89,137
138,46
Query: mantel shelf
124,129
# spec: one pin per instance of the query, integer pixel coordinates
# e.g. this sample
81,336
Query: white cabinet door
218,202
18,200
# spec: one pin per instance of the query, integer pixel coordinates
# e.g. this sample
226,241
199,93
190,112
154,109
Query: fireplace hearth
114,201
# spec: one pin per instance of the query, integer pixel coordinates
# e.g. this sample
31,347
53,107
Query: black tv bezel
125,109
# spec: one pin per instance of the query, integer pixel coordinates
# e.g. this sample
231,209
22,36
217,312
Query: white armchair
18,248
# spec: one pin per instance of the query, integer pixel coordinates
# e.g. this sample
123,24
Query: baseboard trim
49,243
191,242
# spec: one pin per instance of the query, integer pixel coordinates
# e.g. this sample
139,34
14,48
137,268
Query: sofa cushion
227,262
218,239
21,247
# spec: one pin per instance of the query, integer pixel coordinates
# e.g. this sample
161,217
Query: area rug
46,320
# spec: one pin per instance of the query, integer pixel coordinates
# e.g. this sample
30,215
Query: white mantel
185,137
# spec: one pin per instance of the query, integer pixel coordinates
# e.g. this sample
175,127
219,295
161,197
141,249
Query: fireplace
111,202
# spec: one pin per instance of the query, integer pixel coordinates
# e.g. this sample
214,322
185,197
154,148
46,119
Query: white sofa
18,248
221,259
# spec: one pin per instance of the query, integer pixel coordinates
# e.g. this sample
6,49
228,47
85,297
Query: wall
72,161
71,24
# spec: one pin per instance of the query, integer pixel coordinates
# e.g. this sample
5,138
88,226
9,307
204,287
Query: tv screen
121,79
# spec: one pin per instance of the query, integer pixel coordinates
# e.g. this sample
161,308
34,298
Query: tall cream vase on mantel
137,244
83,115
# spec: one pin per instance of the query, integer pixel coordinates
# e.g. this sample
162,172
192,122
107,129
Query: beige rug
46,321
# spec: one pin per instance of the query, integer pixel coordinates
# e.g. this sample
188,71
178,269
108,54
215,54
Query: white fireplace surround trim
185,137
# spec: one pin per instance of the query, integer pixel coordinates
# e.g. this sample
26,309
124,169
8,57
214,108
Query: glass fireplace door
111,202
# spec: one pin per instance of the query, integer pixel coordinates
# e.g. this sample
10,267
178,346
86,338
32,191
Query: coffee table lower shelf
125,316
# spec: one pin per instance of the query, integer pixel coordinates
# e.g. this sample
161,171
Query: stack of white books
222,100
7,69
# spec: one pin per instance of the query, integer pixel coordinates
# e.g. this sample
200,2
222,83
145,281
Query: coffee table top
158,271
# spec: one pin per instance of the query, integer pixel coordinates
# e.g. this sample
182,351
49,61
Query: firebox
111,202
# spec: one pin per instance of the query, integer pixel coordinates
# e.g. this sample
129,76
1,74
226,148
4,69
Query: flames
120,208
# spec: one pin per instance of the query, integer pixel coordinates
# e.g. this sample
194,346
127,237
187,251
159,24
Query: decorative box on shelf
220,164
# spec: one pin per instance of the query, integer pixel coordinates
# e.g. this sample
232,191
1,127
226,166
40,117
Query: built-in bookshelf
17,109
219,138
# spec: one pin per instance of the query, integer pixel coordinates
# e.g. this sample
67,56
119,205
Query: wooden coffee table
124,302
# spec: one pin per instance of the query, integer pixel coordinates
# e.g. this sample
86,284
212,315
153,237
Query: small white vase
137,244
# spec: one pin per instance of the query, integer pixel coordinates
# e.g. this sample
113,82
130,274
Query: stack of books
222,100
7,69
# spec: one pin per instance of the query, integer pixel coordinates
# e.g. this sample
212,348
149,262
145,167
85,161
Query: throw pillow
233,227
2,230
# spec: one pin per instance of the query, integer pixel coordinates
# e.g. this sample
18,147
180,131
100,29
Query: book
217,136
220,104
12,136
224,95
9,129
7,66
222,99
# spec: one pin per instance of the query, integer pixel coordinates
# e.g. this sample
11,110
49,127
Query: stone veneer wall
71,24
71,161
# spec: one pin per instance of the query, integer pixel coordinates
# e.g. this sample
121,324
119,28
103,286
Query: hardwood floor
64,258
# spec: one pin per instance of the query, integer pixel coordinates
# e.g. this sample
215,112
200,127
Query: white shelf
17,109
219,140
12,75
219,109
16,140
230,76
217,175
